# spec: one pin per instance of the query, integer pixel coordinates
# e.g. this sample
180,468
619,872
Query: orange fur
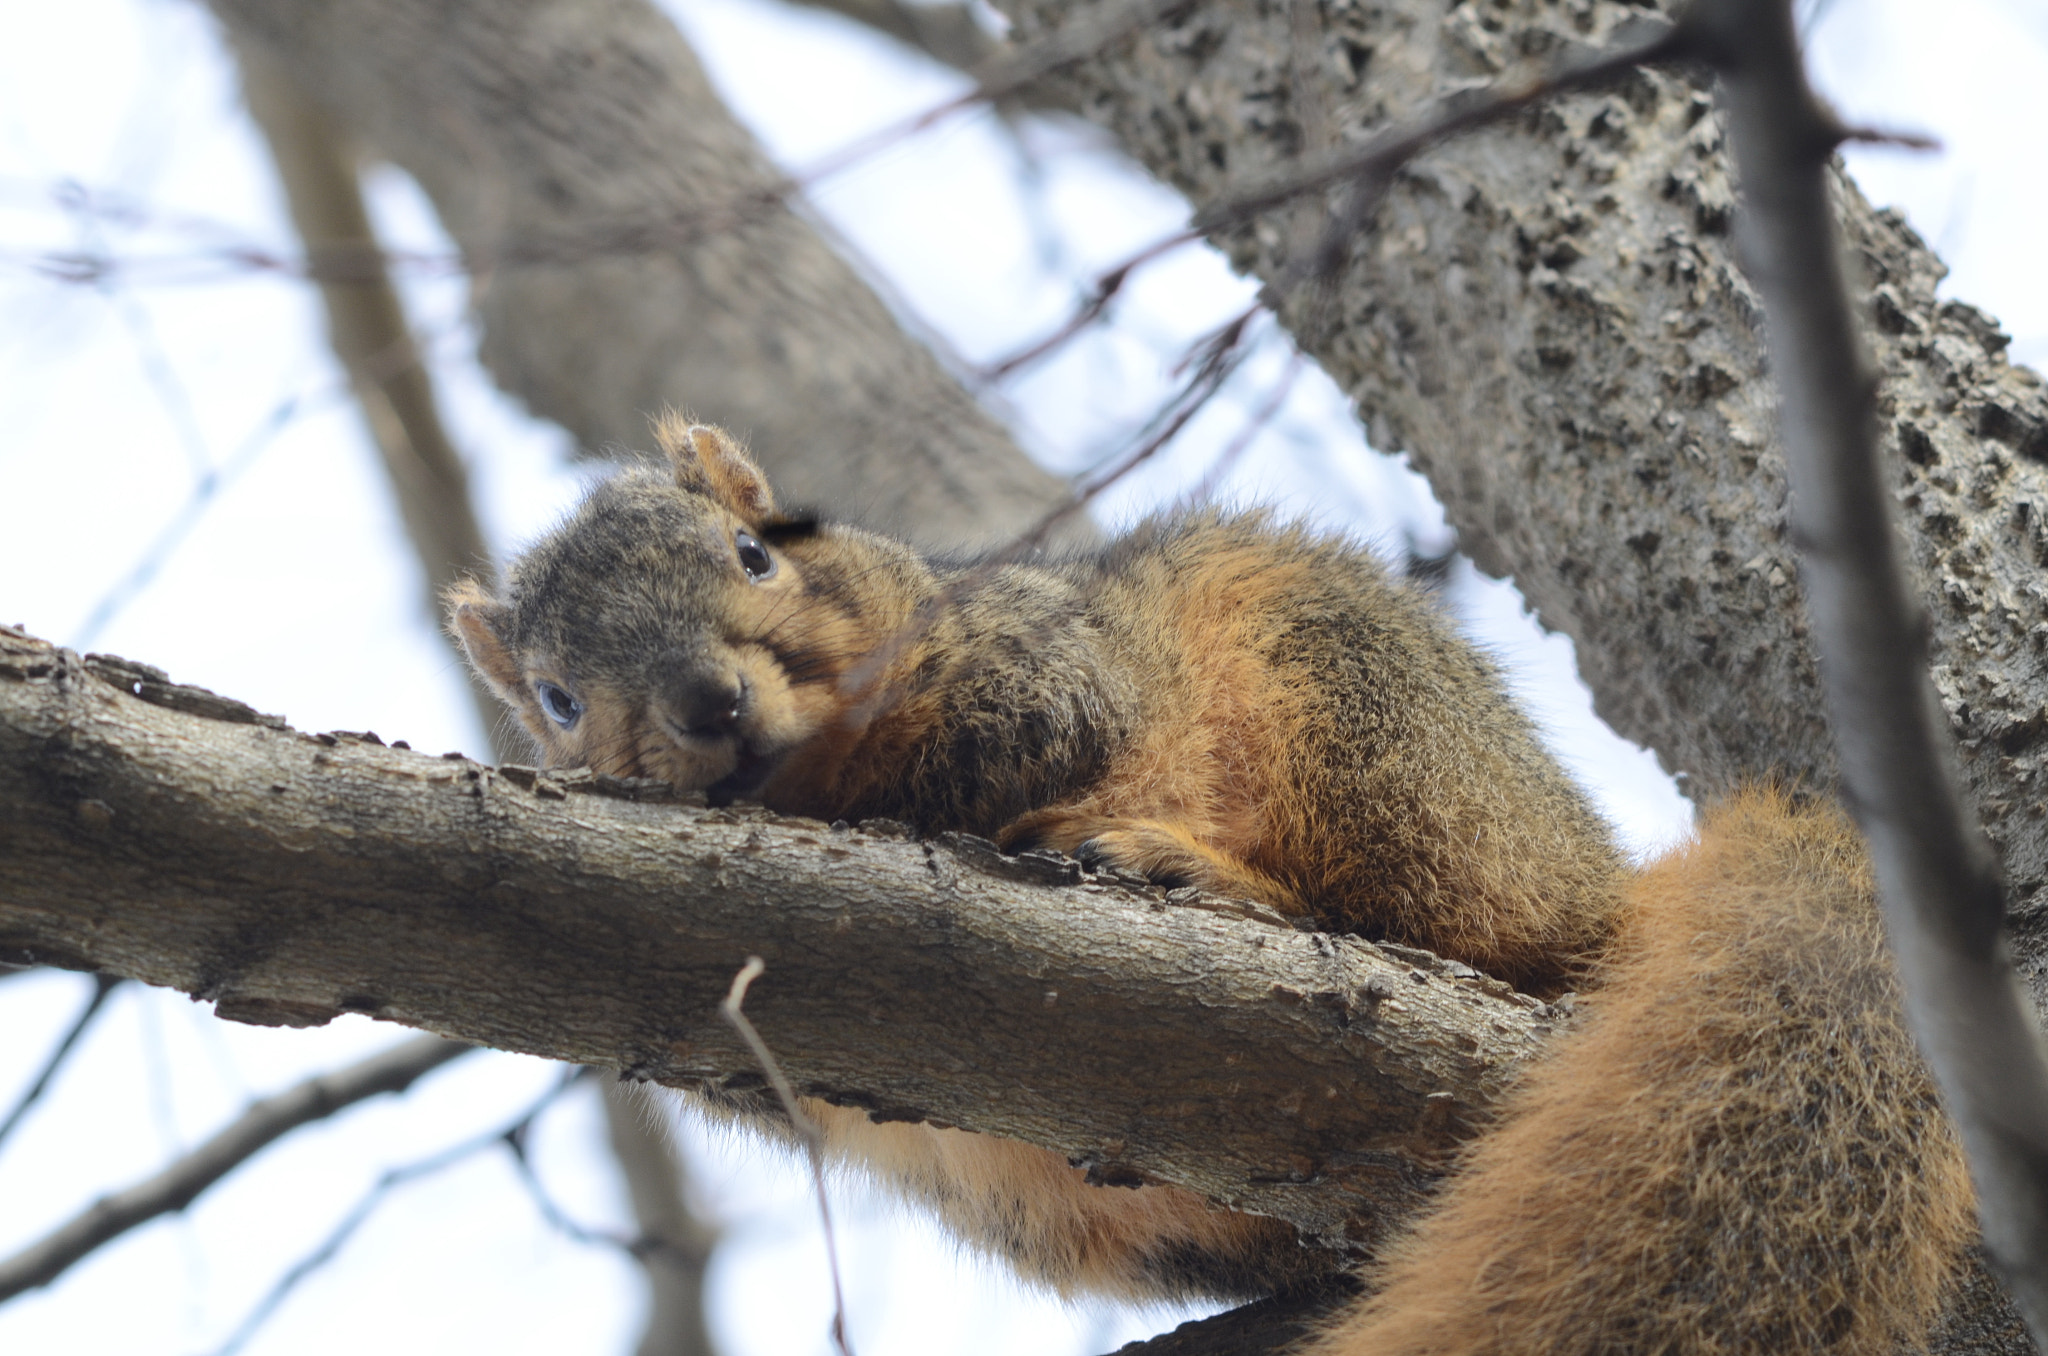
1737,1152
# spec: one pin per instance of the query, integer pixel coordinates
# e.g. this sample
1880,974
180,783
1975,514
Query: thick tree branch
546,119
1939,882
188,842
1549,317
368,329
177,1186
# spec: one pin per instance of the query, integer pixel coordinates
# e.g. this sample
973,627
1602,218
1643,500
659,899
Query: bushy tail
1737,1150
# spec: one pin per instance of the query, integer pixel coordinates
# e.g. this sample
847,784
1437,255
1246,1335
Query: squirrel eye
562,708
754,557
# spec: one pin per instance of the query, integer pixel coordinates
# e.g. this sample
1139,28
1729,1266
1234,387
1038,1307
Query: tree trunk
1549,317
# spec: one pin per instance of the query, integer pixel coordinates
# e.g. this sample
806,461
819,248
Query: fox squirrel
1735,1149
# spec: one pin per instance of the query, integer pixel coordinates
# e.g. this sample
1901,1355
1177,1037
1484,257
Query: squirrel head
666,629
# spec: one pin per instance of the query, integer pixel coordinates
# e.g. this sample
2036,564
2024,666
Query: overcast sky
182,481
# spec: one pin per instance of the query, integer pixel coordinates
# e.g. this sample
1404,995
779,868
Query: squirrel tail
1737,1150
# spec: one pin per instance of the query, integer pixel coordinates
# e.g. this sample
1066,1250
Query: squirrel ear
477,620
709,461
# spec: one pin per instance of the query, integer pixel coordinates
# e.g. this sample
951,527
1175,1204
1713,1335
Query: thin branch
1091,309
1254,424
1937,876
178,1185
1879,136
102,985
367,327
392,1179
198,500
1010,72
1007,74
157,367
1215,357
1459,113
673,1244
807,1130
639,1247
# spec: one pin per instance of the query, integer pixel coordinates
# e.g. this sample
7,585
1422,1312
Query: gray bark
1549,317
631,251
164,833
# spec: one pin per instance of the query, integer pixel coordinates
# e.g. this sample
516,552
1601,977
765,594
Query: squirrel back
1737,1150
1211,700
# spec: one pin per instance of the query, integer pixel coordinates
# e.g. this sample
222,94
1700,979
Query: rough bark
1549,317
630,252
167,834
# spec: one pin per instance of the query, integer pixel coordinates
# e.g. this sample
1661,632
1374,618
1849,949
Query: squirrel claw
1104,851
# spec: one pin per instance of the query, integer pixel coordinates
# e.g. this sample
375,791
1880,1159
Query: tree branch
1549,317
174,836
1939,882
544,119
176,1187
102,986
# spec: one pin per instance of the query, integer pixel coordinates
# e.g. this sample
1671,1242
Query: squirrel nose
704,704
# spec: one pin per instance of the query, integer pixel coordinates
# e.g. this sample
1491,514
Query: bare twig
392,1179
1213,478
1215,356
1465,112
807,1130
1005,75
1879,136
1091,309
102,986
197,501
178,1185
1937,877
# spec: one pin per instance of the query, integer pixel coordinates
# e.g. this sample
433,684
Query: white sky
294,590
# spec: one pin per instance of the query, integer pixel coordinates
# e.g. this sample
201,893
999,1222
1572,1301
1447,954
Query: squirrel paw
1162,852
1146,852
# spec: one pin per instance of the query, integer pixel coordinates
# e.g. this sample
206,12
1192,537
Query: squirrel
1734,1148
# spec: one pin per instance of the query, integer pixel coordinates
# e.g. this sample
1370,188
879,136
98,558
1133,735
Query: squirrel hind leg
1162,852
